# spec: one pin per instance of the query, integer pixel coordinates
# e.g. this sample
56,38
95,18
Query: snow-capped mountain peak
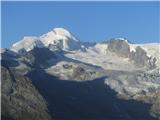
59,33
58,38
64,32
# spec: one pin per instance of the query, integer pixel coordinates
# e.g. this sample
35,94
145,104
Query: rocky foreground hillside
57,77
20,99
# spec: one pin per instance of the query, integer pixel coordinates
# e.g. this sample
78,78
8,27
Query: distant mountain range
55,76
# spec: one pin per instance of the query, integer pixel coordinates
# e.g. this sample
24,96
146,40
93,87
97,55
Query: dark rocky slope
20,99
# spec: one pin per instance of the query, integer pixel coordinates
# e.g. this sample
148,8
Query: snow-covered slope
101,56
113,54
58,38
27,44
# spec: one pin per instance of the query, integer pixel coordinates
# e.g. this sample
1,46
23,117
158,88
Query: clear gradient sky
88,21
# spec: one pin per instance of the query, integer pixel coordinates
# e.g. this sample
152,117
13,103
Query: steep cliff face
20,99
120,47
140,58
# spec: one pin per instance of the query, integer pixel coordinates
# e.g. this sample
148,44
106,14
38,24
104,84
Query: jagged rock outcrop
16,62
120,47
79,73
140,58
73,71
20,99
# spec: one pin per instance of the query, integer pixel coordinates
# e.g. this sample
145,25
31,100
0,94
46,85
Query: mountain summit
61,38
58,38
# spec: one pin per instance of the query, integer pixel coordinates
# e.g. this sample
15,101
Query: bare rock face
80,73
140,58
20,99
73,71
119,47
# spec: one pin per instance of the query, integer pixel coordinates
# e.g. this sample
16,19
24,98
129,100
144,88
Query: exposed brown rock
20,99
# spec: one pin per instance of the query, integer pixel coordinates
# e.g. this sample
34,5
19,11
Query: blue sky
88,21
